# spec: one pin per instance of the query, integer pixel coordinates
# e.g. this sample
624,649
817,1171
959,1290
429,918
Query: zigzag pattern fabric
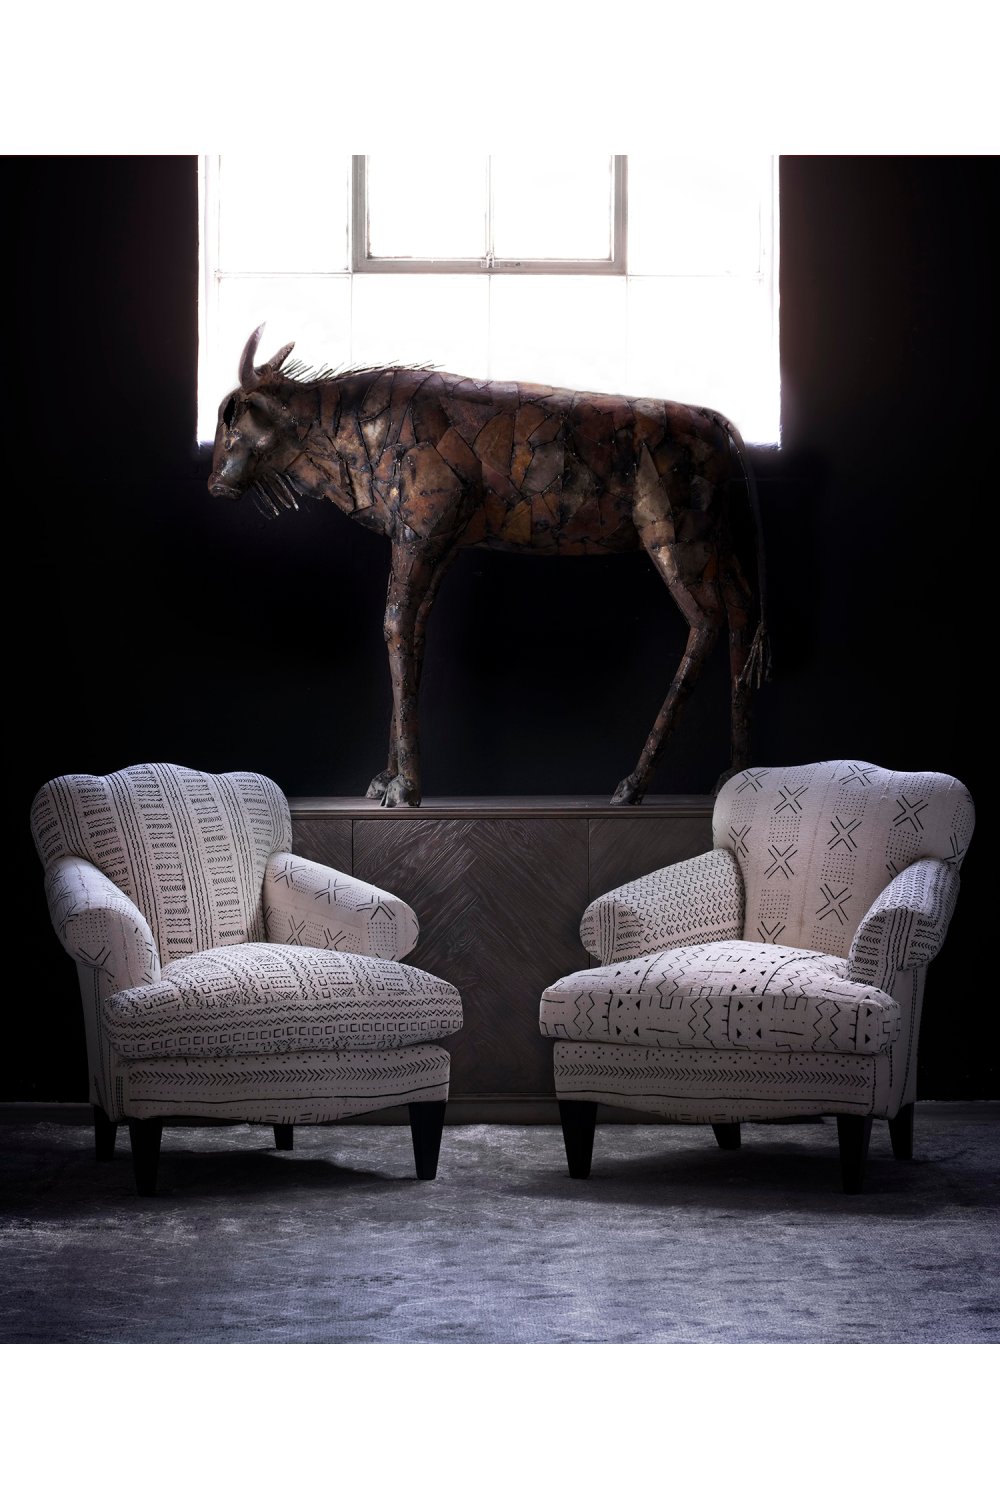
705,1087
817,844
187,848
698,900
312,906
906,925
295,1088
257,999
99,926
723,995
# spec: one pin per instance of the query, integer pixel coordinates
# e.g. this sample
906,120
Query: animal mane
298,373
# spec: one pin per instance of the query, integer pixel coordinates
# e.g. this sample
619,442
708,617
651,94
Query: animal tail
759,660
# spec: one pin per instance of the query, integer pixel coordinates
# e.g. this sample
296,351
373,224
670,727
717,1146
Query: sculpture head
252,423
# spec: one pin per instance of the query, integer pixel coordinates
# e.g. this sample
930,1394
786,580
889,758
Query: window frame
362,262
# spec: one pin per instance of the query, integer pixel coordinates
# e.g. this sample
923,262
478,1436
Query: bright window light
649,275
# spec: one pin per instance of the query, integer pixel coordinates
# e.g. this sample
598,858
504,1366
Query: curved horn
276,361
249,379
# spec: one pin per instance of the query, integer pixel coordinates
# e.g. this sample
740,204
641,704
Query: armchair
222,977
781,973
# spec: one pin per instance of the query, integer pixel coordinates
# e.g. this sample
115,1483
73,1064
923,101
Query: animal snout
221,490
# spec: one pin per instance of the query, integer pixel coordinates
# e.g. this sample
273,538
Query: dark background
159,624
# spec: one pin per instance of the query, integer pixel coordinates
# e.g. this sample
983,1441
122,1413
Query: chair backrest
188,848
816,844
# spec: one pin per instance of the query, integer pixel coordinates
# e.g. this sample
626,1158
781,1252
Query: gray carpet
671,1239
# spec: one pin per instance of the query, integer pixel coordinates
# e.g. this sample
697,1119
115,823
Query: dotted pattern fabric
262,998
295,1088
698,900
715,1087
188,849
723,995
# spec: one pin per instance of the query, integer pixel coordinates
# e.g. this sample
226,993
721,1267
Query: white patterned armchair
225,978
780,974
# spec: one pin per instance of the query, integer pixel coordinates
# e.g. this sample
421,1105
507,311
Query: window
508,215
651,275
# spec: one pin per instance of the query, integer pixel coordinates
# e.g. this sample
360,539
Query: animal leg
739,604
411,579
634,787
380,783
690,574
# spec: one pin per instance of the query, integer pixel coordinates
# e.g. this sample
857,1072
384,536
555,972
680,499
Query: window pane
695,215
559,330
415,214
438,320
552,212
255,231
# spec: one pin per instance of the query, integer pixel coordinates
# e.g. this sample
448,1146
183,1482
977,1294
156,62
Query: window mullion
490,254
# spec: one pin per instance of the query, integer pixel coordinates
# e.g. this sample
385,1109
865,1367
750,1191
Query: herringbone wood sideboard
499,885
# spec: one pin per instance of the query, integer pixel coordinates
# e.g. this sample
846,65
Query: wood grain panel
499,903
326,840
622,849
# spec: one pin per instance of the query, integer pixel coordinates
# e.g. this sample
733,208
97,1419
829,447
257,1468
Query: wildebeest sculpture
437,463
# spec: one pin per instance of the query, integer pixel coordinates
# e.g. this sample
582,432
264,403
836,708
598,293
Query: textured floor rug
670,1240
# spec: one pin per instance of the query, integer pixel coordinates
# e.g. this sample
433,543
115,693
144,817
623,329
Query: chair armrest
98,925
906,925
698,900
312,906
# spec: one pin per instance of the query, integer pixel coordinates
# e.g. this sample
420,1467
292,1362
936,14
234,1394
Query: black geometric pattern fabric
855,869
312,906
816,844
698,900
256,999
189,849
295,1088
706,1087
164,884
905,925
99,926
724,995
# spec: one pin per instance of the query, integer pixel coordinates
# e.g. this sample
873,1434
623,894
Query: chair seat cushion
251,999
724,995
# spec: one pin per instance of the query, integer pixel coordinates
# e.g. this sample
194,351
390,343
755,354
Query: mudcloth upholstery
784,971
221,974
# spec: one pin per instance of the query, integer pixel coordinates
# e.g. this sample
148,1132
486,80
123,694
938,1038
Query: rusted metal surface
437,463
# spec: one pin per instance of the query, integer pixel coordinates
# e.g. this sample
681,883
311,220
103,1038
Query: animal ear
249,379
276,361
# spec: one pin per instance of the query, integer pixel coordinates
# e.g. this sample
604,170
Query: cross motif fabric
817,844
312,906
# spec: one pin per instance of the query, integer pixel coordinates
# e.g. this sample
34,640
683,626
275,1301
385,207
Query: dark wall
163,625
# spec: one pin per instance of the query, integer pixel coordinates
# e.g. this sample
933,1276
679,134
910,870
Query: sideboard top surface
502,807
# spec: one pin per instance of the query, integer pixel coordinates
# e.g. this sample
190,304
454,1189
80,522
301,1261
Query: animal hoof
400,792
627,793
378,785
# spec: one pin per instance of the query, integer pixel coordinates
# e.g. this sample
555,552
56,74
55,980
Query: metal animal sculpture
437,463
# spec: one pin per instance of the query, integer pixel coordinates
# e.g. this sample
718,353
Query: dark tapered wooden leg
728,1136
853,1133
901,1134
104,1136
426,1124
284,1137
145,1136
579,1120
